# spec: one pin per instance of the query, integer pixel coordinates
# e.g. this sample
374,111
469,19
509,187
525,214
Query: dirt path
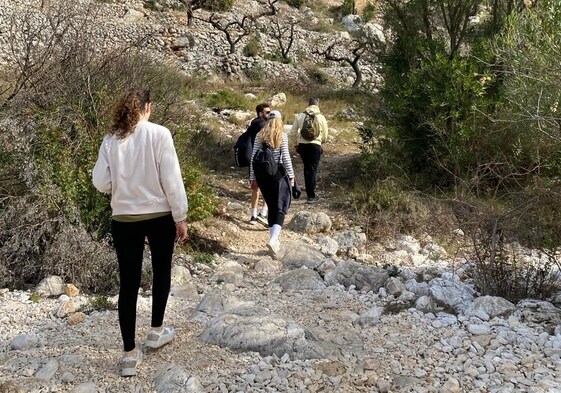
231,231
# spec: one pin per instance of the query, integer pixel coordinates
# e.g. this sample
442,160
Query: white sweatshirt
141,172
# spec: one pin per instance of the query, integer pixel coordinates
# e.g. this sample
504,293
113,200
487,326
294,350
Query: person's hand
254,185
181,231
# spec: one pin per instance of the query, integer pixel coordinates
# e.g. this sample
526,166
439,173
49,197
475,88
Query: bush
296,3
227,99
253,48
316,75
98,303
510,256
214,5
55,122
369,12
256,73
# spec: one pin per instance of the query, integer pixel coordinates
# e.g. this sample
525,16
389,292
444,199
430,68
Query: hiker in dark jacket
255,126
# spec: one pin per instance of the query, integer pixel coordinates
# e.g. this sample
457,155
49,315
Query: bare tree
456,15
271,4
346,52
285,33
233,28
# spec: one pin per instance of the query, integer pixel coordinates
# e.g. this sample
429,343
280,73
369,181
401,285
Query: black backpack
310,128
264,164
243,149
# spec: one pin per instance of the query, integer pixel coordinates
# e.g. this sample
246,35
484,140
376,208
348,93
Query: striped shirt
281,155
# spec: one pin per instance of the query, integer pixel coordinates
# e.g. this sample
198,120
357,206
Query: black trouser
270,191
310,154
129,238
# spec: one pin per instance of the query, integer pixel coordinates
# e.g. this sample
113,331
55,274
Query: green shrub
98,303
55,123
316,75
214,5
227,99
203,257
369,12
348,7
296,3
152,5
256,73
252,48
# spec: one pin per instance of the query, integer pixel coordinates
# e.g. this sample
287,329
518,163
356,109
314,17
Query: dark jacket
284,197
255,126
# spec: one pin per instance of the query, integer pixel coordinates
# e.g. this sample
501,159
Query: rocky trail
323,317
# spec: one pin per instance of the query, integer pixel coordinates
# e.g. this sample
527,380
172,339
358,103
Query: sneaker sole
128,372
131,371
264,223
274,252
155,344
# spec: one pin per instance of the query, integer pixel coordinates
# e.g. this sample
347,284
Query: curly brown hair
127,112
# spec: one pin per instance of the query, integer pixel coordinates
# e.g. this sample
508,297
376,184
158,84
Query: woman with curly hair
276,189
138,165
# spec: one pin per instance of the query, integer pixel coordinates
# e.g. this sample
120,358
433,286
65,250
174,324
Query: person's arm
171,179
296,126
101,174
181,231
285,158
324,129
256,145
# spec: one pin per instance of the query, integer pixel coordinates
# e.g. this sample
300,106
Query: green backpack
310,126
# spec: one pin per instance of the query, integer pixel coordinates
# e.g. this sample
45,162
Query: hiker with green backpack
311,128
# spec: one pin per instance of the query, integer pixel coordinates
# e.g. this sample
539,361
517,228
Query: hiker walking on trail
271,170
312,130
138,165
245,144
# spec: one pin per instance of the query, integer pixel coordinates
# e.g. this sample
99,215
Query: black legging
129,239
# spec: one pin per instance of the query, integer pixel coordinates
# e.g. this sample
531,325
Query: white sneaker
156,340
130,363
273,246
263,220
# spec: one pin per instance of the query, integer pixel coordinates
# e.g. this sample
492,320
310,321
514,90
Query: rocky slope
323,316
331,313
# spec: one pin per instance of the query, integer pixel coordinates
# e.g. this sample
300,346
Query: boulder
452,294
300,279
310,222
492,306
349,273
50,286
252,329
172,378
300,254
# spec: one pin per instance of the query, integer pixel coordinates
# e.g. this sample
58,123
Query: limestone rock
493,306
310,222
71,290
452,294
172,378
349,273
75,318
277,100
301,254
300,279
24,342
50,286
